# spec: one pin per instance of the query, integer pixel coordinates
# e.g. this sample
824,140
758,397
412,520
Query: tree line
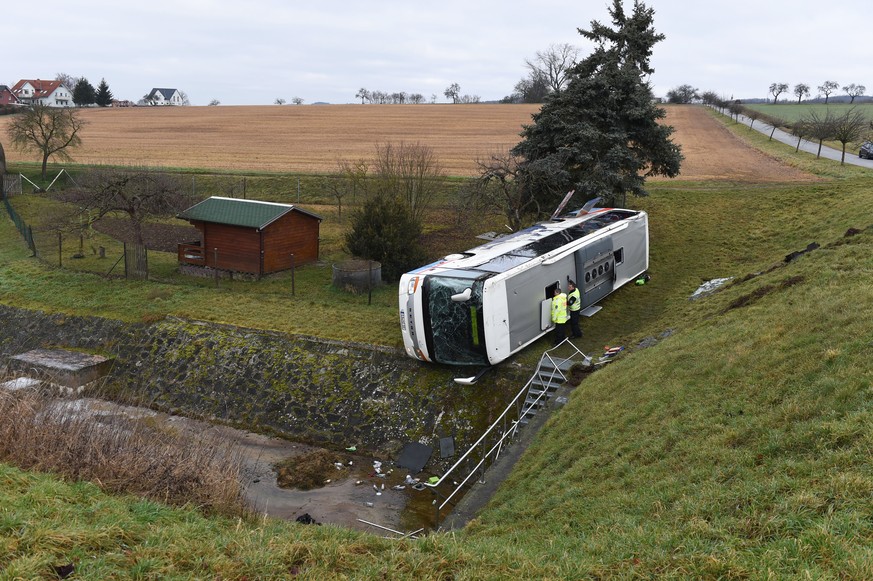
847,127
452,92
84,93
690,94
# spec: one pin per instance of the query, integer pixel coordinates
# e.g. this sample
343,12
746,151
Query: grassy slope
737,447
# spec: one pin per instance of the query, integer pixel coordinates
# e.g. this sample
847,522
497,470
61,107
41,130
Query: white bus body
483,305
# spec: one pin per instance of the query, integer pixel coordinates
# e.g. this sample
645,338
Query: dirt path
714,153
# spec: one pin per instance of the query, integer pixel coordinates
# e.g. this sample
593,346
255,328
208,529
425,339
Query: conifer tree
600,136
84,93
104,95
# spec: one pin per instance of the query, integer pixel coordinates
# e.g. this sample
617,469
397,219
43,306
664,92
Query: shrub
385,231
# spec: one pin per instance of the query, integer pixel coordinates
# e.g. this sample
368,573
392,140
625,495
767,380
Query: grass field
736,446
792,111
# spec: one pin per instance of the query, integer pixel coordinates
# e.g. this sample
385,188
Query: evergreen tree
104,95
600,136
84,93
385,231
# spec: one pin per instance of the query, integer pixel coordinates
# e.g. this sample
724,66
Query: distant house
165,97
250,236
7,97
50,93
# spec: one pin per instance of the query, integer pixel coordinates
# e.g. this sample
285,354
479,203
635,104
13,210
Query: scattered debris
306,519
709,287
810,247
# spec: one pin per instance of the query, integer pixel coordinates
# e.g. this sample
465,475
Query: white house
165,97
50,93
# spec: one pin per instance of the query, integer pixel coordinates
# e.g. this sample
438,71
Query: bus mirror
463,297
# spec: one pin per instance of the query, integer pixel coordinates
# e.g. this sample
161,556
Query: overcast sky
254,51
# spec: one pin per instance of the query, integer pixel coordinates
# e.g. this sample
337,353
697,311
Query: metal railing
517,409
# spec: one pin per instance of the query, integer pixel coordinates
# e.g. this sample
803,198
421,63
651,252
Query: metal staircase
550,374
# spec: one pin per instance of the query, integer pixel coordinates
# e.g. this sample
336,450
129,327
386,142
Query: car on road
866,151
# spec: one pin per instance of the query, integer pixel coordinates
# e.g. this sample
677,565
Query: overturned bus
483,305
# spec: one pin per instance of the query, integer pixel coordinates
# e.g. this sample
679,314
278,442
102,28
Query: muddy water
354,493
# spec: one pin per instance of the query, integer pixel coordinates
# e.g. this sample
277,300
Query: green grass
738,446
793,111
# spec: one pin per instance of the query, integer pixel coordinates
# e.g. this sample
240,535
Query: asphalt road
807,146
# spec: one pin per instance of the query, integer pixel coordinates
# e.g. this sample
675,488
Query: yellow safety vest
577,304
559,309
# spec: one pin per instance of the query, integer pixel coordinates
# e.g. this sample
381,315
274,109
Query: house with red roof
7,97
50,93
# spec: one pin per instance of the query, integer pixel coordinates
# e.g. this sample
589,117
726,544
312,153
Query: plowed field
312,138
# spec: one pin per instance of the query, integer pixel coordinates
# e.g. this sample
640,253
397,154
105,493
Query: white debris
709,287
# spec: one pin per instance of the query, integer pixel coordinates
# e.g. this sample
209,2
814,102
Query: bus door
595,271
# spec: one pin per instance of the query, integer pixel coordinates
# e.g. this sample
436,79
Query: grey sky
253,52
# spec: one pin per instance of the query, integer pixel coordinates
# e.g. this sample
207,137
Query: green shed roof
246,213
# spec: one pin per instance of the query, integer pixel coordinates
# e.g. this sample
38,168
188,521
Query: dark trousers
559,333
574,324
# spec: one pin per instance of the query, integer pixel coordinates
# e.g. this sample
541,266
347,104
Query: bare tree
777,89
68,81
184,100
51,131
848,127
752,114
350,178
801,90
416,98
531,89
498,188
827,88
819,127
682,94
799,129
453,92
553,64
214,103
362,94
279,101
138,193
297,100
853,90
409,172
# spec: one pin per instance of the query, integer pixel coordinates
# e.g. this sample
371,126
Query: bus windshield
456,332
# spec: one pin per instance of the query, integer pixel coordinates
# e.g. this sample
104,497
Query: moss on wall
302,388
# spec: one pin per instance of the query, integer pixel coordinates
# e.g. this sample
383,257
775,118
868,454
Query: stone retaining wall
303,388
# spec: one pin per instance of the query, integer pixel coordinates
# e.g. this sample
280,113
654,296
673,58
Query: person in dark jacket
574,304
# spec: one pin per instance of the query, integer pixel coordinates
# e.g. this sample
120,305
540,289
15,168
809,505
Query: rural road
807,146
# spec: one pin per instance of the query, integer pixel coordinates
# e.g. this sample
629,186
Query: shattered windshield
457,333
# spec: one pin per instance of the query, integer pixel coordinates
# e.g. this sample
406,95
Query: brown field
312,138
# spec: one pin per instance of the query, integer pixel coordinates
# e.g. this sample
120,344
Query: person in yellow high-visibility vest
559,315
574,304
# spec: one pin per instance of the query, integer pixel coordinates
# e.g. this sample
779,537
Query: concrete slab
61,366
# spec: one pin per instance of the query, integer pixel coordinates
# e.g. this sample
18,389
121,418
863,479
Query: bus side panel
594,270
633,242
496,320
524,293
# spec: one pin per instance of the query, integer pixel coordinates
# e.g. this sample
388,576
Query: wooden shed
250,236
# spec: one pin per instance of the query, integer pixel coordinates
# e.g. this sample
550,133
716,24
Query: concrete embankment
302,388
